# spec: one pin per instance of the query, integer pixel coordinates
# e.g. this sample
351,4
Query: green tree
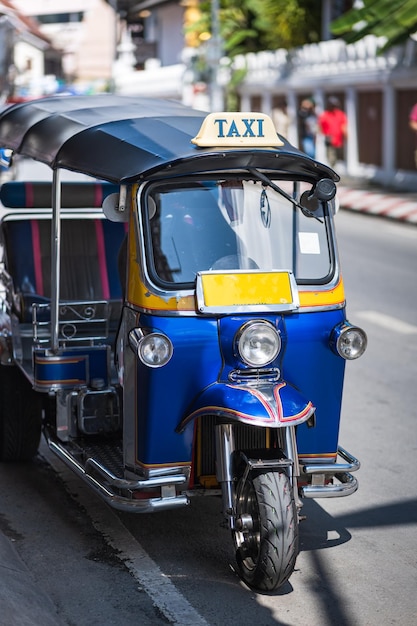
251,26
395,20
256,25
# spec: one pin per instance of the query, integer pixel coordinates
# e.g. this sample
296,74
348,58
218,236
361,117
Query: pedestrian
281,119
308,127
413,126
333,125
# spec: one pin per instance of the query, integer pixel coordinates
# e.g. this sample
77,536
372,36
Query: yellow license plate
251,291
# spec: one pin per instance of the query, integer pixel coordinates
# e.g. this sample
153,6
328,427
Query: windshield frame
324,215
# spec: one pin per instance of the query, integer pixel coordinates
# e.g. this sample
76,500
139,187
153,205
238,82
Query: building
26,54
86,33
377,92
156,28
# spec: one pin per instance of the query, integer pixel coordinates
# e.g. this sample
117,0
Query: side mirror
114,206
323,191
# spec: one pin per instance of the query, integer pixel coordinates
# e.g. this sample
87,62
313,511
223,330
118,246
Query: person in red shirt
333,125
413,126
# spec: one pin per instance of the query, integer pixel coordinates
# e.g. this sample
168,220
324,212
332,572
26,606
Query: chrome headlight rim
349,341
154,349
254,329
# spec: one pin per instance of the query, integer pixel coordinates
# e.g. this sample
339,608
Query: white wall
29,63
170,36
88,46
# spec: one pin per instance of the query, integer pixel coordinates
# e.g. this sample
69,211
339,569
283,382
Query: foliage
230,92
395,20
256,25
246,26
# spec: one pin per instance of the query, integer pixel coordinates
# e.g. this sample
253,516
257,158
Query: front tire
266,537
20,416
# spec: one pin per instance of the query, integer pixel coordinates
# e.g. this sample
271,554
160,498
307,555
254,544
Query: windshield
232,225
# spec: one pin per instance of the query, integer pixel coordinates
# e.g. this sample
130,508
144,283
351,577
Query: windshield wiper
263,178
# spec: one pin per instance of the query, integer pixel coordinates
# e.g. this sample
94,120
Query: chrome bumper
321,474
120,493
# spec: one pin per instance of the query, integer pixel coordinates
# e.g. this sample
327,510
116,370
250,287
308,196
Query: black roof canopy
123,138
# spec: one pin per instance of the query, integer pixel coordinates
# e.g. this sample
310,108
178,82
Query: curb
373,203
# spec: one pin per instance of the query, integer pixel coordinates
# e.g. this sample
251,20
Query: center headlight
258,343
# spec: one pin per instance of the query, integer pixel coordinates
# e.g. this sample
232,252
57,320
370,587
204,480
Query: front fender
266,405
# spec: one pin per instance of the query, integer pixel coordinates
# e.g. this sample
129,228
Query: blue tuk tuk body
177,325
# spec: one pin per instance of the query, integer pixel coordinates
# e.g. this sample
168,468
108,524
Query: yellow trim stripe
59,360
323,455
141,297
58,381
329,297
163,465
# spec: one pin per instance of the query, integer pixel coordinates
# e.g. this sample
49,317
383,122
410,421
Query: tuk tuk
174,323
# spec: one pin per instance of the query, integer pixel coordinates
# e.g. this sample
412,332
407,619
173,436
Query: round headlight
351,342
154,350
258,343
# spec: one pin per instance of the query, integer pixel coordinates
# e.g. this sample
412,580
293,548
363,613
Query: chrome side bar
110,487
123,483
347,484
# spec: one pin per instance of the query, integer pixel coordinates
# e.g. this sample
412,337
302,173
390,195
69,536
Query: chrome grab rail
78,321
352,465
347,484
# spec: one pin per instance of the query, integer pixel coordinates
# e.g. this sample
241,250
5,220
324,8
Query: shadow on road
322,530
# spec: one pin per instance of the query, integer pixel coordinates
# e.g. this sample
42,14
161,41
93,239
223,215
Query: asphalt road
357,565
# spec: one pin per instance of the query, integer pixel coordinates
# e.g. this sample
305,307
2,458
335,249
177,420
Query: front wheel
266,534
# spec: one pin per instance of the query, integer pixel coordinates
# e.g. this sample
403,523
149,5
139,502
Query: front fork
225,467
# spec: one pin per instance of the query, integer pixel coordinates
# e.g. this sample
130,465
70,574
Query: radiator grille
246,437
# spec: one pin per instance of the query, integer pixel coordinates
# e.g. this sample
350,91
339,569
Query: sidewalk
365,198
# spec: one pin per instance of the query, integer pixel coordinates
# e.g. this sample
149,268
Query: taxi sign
237,130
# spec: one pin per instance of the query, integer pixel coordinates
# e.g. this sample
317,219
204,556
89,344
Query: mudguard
266,405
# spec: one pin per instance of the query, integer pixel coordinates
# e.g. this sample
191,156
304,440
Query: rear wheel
266,537
20,416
